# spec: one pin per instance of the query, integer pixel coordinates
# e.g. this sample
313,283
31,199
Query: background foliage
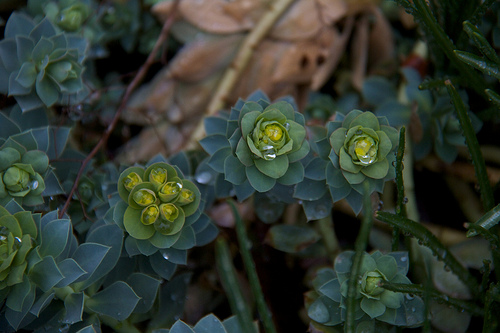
235,166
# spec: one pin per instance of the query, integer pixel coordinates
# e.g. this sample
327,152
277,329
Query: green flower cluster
38,65
159,201
258,145
372,300
69,15
362,147
21,176
16,234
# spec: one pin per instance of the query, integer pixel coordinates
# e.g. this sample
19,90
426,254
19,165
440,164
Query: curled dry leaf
299,54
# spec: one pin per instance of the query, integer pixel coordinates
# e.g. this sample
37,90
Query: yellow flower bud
150,214
131,180
144,197
169,212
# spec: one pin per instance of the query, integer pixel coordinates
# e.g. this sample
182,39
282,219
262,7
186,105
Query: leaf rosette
362,150
16,234
158,203
21,175
372,301
40,66
258,145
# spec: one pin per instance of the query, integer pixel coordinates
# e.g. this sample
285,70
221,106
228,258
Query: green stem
119,326
329,237
253,278
443,41
400,202
474,148
436,295
230,283
360,247
428,239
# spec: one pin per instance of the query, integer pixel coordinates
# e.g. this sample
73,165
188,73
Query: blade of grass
400,202
473,145
253,278
417,289
421,11
230,283
360,247
428,239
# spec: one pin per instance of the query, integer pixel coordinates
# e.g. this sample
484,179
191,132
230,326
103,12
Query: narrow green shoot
253,278
418,289
359,247
400,202
230,283
473,145
428,239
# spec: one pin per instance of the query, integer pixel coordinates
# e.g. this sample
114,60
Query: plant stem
329,237
428,239
230,283
119,326
128,92
240,62
400,202
474,148
253,278
360,247
430,23
417,289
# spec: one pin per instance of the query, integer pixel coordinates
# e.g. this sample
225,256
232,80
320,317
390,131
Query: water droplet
165,256
409,297
413,309
34,185
405,200
321,209
404,259
204,177
269,156
287,126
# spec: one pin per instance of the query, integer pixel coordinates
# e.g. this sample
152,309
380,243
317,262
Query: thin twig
240,62
130,88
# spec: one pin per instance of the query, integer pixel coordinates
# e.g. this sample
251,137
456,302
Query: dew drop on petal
203,177
34,185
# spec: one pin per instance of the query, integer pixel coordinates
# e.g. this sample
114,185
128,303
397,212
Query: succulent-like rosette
69,15
261,144
39,66
159,201
17,233
362,150
373,301
21,175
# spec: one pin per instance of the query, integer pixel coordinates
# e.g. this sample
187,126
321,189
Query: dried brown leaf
210,16
203,57
301,21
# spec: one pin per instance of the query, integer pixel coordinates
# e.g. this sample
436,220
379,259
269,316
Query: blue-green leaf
117,301
146,288
46,274
54,237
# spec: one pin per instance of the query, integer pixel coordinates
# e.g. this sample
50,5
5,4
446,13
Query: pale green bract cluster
40,66
158,203
258,145
21,175
372,300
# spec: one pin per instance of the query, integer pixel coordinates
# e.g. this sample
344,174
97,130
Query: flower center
150,214
273,132
169,212
158,175
143,197
131,180
365,150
